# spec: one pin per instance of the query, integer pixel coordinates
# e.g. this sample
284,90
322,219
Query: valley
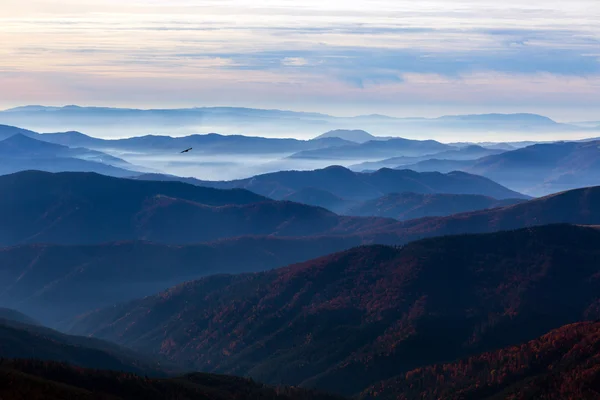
335,282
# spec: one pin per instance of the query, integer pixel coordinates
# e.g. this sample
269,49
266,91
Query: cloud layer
349,55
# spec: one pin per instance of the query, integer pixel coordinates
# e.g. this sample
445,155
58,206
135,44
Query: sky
400,58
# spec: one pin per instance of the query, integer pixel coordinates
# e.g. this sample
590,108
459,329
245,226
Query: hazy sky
344,57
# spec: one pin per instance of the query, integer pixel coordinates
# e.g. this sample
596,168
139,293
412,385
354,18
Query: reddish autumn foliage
561,365
346,321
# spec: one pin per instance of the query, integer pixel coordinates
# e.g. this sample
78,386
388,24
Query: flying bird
186,150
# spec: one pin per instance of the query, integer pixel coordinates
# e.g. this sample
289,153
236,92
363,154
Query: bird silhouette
186,150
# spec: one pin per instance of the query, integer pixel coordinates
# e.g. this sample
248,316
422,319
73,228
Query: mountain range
231,120
544,168
20,145
79,270
538,169
386,279
349,185
20,152
578,206
351,322
168,212
347,321
352,135
53,208
375,150
211,143
54,283
471,152
58,208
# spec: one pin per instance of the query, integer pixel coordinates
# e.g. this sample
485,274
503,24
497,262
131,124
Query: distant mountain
406,206
349,185
43,207
178,213
68,139
347,321
55,283
471,152
544,168
538,170
233,120
60,164
226,112
217,144
23,152
375,150
355,135
211,143
20,145
34,379
519,118
19,340
579,206
561,365
8,131
74,139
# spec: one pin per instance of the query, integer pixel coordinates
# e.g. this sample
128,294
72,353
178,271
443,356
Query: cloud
358,48
294,61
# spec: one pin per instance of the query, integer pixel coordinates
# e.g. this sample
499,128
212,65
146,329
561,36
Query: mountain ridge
230,120
350,185
21,340
560,365
23,151
354,135
57,282
178,213
312,324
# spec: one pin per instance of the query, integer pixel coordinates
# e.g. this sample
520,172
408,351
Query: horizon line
14,109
